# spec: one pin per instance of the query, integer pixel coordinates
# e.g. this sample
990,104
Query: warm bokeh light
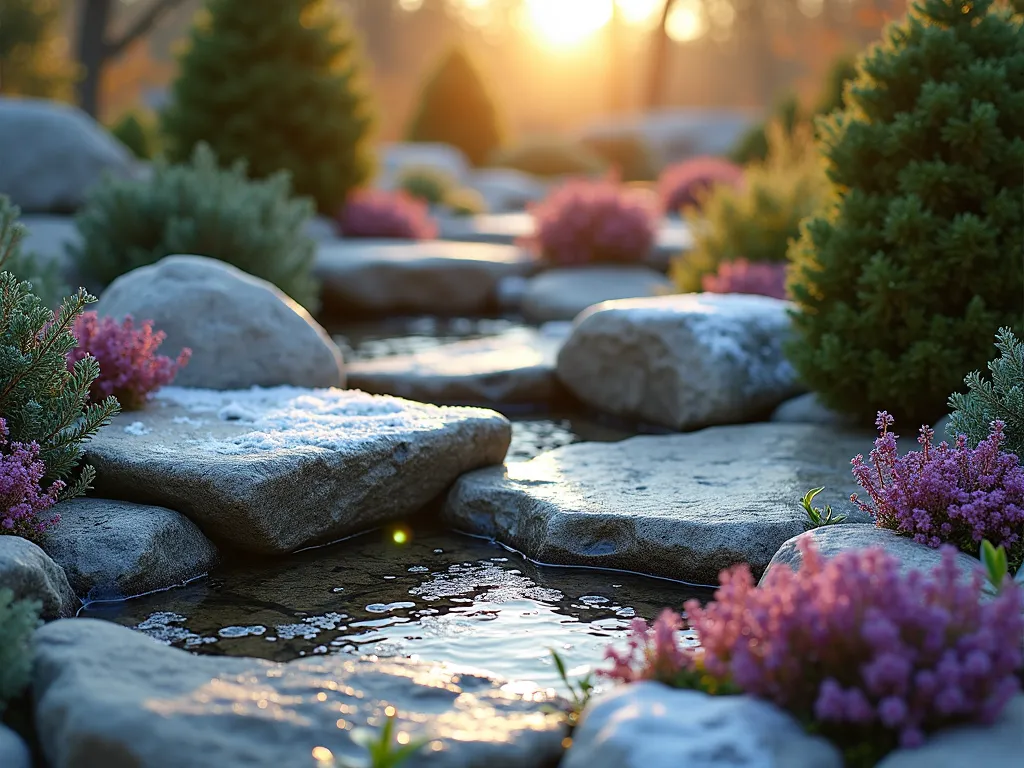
639,11
400,536
686,21
567,22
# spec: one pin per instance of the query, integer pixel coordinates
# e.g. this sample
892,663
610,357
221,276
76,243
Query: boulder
649,725
396,158
493,228
51,154
273,470
674,239
29,573
679,506
561,294
321,229
513,368
506,189
14,752
682,361
831,540
389,277
107,696
999,744
243,331
50,237
808,409
115,549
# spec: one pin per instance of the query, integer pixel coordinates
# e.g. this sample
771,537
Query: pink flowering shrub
22,497
868,656
741,276
393,215
588,221
685,184
130,368
943,494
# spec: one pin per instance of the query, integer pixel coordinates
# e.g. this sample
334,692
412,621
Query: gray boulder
515,367
680,506
831,540
506,189
493,228
403,277
561,294
29,573
242,331
49,237
14,752
51,154
808,409
649,725
273,470
683,361
107,696
115,549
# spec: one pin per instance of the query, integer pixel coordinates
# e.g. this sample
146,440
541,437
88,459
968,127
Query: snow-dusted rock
51,154
832,540
1000,744
674,239
515,367
682,361
321,229
396,158
680,506
273,470
30,573
388,277
116,549
108,696
561,294
493,228
649,725
506,189
808,409
242,330
14,752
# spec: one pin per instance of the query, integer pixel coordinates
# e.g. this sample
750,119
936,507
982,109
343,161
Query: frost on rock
137,428
290,418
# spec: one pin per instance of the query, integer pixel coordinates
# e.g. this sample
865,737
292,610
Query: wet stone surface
438,597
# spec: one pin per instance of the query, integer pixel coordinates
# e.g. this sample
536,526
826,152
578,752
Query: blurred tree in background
279,85
33,55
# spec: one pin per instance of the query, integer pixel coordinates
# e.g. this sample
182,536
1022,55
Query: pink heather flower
589,221
741,276
651,653
130,369
22,498
685,184
944,494
373,213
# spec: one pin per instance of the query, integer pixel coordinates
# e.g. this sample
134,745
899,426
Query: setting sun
566,22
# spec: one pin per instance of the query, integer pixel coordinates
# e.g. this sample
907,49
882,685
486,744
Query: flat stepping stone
513,368
30,574
378,277
116,549
273,470
680,506
562,294
105,695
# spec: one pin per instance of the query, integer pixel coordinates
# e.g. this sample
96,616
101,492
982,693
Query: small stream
416,590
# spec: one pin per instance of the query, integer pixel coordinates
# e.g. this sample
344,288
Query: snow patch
188,421
137,428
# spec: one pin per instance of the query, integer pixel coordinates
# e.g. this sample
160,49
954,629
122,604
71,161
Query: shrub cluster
1001,399
139,132
198,208
130,368
18,620
946,494
903,281
393,215
548,157
593,221
685,185
742,276
852,647
439,189
628,156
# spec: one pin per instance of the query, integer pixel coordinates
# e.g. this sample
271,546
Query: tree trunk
658,71
92,52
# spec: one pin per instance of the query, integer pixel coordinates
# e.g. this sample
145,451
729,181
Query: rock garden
352,455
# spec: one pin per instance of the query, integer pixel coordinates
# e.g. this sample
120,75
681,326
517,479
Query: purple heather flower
130,368
943,494
685,184
741,276
372,213
22,497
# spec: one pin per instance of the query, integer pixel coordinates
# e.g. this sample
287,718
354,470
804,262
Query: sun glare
567,22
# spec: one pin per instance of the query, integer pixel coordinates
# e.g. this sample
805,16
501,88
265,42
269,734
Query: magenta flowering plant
946,494
684,185
373,213
741,276
130,368
23,500
589,221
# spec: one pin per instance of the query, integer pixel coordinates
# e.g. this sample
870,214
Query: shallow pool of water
437,597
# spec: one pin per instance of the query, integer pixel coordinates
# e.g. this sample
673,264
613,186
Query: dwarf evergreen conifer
278,85
456,108
902,283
